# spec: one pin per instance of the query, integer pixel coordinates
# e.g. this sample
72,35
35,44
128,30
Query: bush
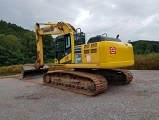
146,62
10,70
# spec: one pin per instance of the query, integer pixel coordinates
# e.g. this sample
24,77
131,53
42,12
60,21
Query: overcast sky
131,19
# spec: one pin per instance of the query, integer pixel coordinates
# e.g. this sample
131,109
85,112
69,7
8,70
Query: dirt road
23,100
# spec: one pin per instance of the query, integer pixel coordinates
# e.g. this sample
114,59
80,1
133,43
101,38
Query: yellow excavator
90,66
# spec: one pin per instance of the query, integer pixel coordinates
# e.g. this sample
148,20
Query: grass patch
146,62
10,70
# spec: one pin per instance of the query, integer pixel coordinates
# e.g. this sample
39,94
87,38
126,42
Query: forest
145,47
17,45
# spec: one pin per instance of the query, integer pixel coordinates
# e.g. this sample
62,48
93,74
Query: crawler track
113,76
118,76
76,81
128,76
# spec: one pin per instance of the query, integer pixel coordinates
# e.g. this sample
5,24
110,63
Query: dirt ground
30,100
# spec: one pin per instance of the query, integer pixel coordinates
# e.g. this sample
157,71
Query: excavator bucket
29,71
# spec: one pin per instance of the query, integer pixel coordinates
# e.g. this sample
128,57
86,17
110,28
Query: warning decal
112,50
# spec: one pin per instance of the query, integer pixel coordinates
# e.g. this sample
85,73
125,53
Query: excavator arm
49,29
41,29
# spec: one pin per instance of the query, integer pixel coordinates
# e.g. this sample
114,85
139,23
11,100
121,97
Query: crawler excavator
90,66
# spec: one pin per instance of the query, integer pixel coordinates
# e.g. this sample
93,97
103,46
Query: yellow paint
66,58
101,56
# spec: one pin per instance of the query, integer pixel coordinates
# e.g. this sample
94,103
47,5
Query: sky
131,19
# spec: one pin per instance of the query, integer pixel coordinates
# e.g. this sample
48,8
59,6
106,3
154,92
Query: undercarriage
87,81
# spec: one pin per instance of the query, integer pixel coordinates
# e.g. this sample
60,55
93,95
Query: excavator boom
38,69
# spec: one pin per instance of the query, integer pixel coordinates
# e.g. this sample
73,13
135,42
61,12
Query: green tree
145,47
29,48
18,45
48,45
10,50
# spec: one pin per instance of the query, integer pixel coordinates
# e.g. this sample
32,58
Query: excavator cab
63,44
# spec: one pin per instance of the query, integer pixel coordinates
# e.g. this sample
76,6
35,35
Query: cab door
63,48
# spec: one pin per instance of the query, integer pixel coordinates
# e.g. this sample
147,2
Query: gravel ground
22,100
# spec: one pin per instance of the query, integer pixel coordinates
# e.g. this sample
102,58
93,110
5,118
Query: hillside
145,46
17,45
